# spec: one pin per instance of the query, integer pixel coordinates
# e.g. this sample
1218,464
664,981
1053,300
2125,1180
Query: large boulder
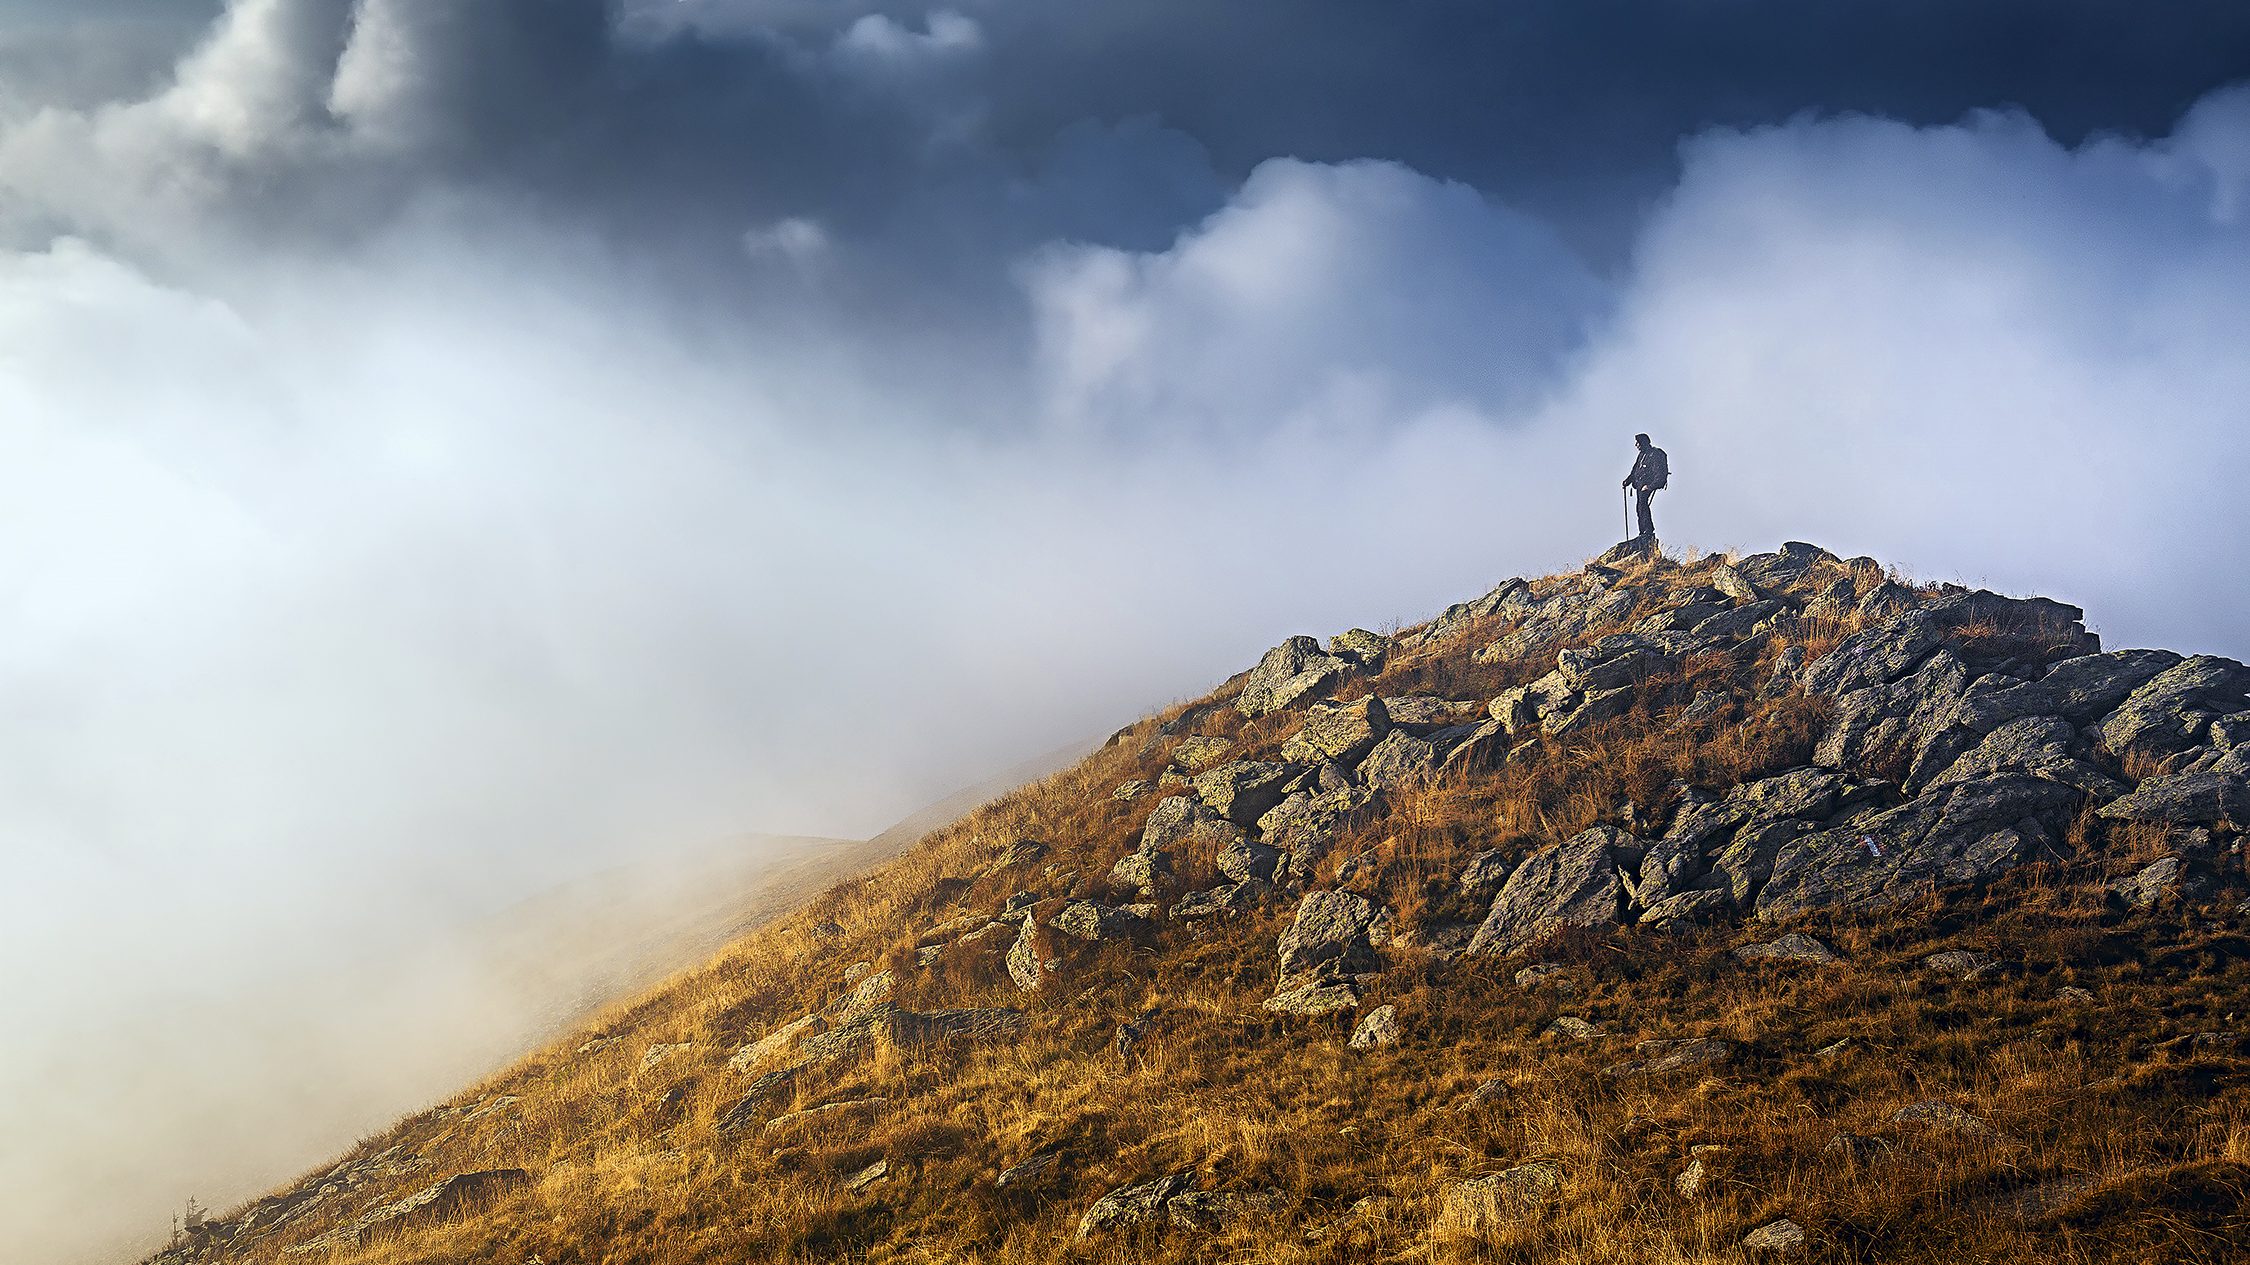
1329,937
1612,662
2041,746
1130,1206
2078,689
1959,833
1398,760
2174,710
2185,799
1241,792
1342,732
1096,923
1294,672
1571,884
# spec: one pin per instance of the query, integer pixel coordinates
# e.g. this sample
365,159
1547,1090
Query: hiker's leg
1640,505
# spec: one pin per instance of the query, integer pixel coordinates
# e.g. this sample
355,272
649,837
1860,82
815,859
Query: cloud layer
453,447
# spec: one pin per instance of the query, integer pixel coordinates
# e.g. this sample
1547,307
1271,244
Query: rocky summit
1731,908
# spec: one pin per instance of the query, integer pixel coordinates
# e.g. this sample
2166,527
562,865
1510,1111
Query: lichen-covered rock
1294,672
1960,833
1329,936
1097,923
2185,799
1571,884
1342,732
1398,760
2077,690
1130,1206
1025,966
1243,791
2174,710
1379,1028
1794,947
1780,1238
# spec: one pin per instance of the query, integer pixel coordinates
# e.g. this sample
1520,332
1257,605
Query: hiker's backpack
1663,471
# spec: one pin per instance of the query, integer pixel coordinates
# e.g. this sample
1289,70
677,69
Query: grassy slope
2134,1146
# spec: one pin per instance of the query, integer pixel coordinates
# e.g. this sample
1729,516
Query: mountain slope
1666,910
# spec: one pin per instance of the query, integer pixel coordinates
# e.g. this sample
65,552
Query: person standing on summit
1651,471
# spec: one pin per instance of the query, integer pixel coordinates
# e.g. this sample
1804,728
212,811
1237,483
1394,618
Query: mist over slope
1695,909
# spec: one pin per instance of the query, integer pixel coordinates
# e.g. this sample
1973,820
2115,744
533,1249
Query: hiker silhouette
1652,470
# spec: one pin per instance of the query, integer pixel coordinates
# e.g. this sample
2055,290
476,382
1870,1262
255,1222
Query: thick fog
448,448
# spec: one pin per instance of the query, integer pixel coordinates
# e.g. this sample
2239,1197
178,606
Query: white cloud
1338,298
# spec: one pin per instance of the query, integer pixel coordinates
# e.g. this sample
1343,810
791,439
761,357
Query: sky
446,447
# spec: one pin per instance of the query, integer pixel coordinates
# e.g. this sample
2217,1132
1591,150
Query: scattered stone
1572,884
1794,947
1364,649
1379,1028
1836,1049
1943,1115
1207,1211
1659,1057
1018,1174
1542,974
1691,1180
1129,790
658,1054
1024,964
1524,1183
822,1112
2074,995
761,1091
1096,923
1967,964
1490,1093
2170,878
1571,1027
775,1042
872,991
1314,997
868,1176
1329,936
1218,902
1783,1237
1135,1205
1485,873
1243,791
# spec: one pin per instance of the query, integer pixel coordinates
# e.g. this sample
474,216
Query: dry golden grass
2112,1139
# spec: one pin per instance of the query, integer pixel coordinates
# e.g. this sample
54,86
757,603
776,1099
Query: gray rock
762,1092
1029,1171
1096,923
1243,791
1398,760
2168,879
2173,711
1379,1028
1571,884
1707,705
1783,1237
1524,1183
1313,996
1484,874
2075,995
1024,964
1741,623
1338,731
1129,790
868,1176
2078,689
1129,1206
1198,752
2185,799
1424,714
1363,649
1733,584
2036,745
1573,1028
1960,833
1612,662
1875,656
1965,964
1794,947
1220,902
1481,749
1294,672
1945,1116
1687,909
1247,861
1329,936
1590,710
1659,1057
1543,974
1208,1211
775,1042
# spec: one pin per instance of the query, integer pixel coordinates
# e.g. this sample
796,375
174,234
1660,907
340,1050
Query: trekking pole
1625,502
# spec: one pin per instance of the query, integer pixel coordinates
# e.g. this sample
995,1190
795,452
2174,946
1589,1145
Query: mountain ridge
1923,914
